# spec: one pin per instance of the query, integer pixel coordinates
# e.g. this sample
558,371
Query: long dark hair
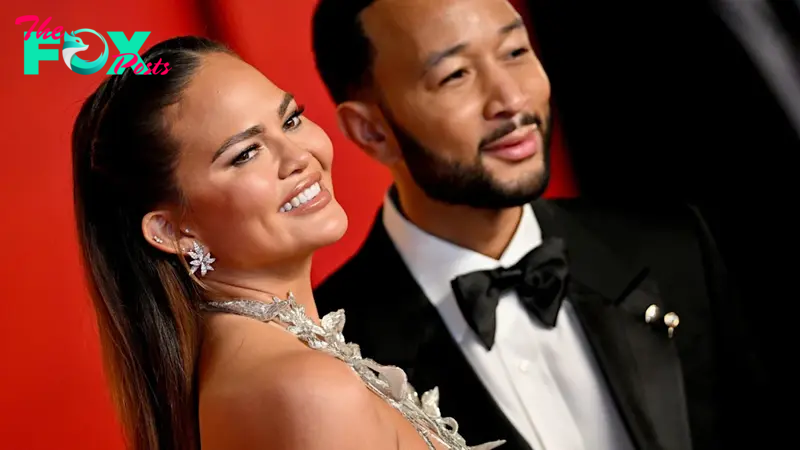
145,300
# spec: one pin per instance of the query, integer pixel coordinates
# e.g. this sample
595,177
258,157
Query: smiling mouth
302,198
518,136
516,147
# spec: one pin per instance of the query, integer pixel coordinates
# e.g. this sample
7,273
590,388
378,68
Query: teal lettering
124,45
33,54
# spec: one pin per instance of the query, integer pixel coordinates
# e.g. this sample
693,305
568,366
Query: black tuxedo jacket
680,393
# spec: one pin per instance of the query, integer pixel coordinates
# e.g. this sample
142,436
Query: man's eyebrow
437,57
516,24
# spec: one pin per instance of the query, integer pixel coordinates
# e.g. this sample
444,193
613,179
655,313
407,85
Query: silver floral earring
200,259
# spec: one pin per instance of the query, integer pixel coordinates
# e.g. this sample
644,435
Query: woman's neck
264,285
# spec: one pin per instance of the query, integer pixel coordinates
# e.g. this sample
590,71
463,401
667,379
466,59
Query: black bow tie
539,279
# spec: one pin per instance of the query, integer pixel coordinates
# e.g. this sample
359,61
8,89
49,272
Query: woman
200,197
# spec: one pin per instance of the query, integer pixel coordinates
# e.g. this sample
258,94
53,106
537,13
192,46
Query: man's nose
506,97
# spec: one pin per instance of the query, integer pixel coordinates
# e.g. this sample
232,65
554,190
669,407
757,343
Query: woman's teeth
302,197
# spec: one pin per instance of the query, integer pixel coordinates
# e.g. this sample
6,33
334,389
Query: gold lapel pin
671,320
652,313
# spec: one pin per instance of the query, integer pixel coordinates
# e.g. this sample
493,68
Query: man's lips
517,146
512,139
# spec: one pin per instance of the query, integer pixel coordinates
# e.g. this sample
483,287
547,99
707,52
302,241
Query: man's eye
453,76
519,52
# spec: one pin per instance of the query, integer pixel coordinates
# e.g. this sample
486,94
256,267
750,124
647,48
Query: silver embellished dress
387,382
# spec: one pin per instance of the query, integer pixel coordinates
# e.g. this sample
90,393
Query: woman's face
255,174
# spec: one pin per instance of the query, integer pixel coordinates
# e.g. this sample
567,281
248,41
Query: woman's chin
333,229
323,231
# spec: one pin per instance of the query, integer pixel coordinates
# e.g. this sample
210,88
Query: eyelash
519,52
296,116
239,160
452,76
455,75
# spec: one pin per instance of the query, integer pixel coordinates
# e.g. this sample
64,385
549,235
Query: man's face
465,97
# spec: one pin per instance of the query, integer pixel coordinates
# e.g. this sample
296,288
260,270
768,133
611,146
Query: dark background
660,103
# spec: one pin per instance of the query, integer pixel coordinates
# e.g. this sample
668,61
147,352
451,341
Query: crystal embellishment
389,383
200,259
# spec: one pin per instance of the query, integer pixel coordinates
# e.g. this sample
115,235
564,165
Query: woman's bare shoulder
299,399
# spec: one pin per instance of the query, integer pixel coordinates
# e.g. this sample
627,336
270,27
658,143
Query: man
552,325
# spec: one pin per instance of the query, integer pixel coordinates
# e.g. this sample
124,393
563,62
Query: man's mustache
509,127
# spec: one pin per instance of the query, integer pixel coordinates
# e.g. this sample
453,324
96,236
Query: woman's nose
294,159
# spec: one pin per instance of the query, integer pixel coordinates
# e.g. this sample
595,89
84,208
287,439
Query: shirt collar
434,262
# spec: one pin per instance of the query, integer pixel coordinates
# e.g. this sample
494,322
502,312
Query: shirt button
524,365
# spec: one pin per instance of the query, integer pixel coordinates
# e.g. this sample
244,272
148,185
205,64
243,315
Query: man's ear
365,126
163,233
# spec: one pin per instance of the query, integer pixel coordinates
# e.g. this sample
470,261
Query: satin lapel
415,338
639,360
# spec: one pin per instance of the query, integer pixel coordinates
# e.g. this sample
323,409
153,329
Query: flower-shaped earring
200,259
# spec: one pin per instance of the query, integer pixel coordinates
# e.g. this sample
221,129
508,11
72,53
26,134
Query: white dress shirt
546,381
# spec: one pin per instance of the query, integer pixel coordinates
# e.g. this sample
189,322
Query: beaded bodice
387,382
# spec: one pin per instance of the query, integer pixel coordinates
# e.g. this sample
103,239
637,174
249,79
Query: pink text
56,33
139,69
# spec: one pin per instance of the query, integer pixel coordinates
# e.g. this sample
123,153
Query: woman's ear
163,233
364,125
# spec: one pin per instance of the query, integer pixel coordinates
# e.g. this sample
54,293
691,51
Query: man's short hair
342,51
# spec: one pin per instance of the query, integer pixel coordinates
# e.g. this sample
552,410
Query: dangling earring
200,259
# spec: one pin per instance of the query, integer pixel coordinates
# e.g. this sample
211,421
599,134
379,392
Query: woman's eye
248,154
295,120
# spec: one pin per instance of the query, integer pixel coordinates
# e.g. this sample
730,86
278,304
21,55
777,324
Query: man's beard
470,184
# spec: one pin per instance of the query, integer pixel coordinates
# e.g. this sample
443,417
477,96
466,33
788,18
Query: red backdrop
52,391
